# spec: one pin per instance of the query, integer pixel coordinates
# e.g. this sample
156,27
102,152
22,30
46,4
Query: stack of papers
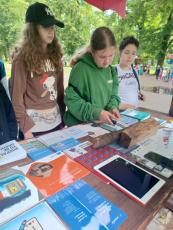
140,115
11,151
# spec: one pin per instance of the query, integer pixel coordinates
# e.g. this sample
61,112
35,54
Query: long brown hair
29,49
101,38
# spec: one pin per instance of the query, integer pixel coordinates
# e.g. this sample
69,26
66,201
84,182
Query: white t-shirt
128,87
45,120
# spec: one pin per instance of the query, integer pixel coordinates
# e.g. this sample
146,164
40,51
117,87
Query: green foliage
153,24
149,20
10,23
79,19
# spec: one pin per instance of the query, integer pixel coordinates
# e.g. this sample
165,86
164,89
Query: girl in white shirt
129,91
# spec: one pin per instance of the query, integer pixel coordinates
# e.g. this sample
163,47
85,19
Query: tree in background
149,20
10,23
79,20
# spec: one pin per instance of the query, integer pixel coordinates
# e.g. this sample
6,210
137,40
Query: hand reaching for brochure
106,117
28,135
116,113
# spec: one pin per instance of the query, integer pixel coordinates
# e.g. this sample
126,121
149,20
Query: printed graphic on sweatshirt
48,81
48,86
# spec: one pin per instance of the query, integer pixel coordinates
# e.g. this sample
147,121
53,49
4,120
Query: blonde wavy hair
29,49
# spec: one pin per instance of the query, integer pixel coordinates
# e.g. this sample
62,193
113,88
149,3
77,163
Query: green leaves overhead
149,20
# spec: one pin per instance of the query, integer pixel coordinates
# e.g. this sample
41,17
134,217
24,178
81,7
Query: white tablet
136,182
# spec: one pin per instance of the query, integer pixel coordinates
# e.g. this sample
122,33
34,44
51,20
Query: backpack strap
137,79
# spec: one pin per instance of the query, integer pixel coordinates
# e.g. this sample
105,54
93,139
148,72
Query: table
138,215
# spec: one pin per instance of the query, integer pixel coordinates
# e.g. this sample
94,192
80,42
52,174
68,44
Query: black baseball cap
40,13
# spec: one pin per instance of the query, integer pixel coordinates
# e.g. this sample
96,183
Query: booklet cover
77,150
65,144
123,122
62,135
11,151
22,162
17,194
52,176
92,129
38,218
74,213
36,149
112,128
140,115
85,199
106,212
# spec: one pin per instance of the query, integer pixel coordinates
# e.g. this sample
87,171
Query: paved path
156,101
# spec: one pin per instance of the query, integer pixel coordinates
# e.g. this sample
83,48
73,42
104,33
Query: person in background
148,69
171,75
129,86
145,69
8,124
136,68
157,71
3,78
37,89
92,92
140,70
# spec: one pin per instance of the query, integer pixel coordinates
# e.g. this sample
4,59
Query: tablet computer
131,179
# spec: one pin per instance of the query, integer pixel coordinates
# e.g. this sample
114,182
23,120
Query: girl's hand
116,113
28,135
106,117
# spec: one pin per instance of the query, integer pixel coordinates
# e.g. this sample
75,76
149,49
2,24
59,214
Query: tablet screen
132,178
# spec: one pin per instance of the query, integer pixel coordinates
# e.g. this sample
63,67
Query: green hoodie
91,89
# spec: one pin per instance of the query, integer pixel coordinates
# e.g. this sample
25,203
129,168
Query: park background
150,21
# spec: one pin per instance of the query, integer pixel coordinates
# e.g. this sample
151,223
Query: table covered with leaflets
91,176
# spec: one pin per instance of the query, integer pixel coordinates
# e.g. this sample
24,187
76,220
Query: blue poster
82,207
105,211
74,213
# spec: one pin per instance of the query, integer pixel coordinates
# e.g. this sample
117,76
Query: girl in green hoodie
92,92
